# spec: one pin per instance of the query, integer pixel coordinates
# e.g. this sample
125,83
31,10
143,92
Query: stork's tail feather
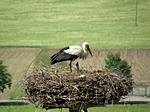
52,62
53,58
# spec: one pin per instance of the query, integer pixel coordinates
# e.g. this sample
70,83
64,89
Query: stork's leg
70,66
77,67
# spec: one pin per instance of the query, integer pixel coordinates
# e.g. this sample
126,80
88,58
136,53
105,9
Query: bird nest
47,89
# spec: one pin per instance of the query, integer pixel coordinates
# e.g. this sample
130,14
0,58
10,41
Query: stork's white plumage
71,53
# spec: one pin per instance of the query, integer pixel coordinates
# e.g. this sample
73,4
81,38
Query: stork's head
85,45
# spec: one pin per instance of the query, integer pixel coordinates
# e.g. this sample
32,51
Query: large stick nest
48,90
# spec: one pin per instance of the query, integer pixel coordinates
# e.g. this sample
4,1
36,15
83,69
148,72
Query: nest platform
90,88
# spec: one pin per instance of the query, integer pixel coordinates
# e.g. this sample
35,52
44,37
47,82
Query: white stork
71,53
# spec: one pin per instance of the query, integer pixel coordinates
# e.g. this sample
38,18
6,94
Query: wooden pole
78,108
74,110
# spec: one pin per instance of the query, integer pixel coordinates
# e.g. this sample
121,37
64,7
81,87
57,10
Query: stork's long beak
90,51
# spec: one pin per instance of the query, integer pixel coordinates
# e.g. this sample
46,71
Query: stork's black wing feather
65,48
61,50
62,56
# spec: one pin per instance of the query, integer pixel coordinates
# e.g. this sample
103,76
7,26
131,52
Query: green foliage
116,64
148,96
5,77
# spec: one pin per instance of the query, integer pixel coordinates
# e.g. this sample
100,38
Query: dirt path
135,99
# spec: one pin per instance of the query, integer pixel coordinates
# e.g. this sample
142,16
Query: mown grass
110,108
57,23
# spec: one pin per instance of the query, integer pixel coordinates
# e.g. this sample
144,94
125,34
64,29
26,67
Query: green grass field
57,23
110,108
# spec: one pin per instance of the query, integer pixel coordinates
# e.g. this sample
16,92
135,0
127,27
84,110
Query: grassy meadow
109,108
57,23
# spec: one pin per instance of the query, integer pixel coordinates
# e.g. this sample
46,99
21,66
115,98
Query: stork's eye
87,46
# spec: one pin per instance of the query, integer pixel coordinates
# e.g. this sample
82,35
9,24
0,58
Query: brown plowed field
139,59
18,60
